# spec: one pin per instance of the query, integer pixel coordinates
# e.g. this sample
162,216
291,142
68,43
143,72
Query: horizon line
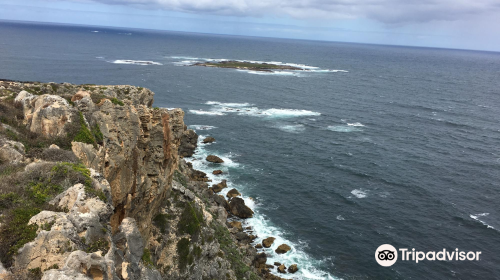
235,35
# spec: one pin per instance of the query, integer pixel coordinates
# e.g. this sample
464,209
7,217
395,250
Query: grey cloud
386,11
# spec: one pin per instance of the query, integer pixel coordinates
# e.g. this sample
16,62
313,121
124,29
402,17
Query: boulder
214,159
208,140
258,246
293,268
236,225
233,193
189,142
277,263
217,172
49,115
11,151
239,209
282,268
216,188
268,242
282,249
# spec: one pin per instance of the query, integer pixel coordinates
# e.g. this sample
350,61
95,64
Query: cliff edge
94,185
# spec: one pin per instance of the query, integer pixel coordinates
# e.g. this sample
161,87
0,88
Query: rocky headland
95,183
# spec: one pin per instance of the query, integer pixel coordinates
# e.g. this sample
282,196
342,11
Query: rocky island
246,65
95,183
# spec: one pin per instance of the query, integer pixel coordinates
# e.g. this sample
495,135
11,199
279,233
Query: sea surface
401,147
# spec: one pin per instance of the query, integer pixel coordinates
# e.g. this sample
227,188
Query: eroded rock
214,159
282,249
239,209
268,242
233,193
208,140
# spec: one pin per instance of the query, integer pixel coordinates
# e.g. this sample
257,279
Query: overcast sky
464,24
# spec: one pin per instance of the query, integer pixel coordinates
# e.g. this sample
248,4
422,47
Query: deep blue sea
402,147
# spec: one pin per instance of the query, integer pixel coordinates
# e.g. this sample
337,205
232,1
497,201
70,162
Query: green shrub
99,245
190,220
116,101
183,251
146,259
161,221
16,232
84,135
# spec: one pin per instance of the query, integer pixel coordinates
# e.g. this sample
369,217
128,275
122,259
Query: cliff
94,185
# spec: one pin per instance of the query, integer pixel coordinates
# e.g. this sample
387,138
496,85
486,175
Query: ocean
401,146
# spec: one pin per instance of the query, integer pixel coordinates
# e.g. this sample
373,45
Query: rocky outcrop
282,249
217,172
216,188
208,140
48,115
12,151
138,157
268,242
233,193
146,214
189,142
282,268
214,159
239,209
236,225
293,268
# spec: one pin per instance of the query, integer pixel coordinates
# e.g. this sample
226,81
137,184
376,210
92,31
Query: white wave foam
201,127
359,193
228,104
261,225
278,73
128,34
94,31
289,113
221,108
340,218
295,128
135,62
343,128
476,217
355,124
210,113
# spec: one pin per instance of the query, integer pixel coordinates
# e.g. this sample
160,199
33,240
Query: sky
461,24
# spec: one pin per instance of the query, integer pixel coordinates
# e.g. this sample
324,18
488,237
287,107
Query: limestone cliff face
146,214
138,157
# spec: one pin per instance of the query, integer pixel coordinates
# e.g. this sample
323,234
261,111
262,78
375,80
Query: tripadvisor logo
387,255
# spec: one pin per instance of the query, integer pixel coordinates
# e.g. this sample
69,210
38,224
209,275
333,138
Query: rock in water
208,140
219,187
233,193
293,268
282,269
283,248
239,209
214,159
258,246
268,242
217,172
